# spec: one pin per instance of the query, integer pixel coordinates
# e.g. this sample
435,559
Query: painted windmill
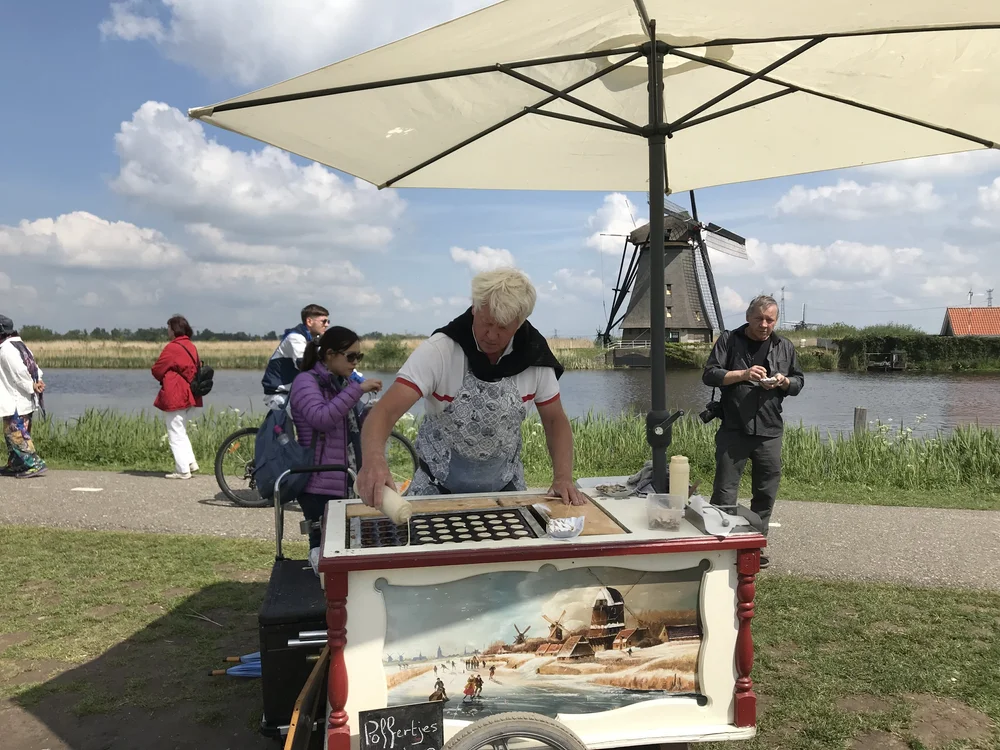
693,312
555,627
519,639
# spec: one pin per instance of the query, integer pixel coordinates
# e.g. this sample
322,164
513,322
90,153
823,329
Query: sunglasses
353,357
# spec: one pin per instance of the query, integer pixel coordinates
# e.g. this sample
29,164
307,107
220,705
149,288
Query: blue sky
107,217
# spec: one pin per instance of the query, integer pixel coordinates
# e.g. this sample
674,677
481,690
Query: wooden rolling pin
393,505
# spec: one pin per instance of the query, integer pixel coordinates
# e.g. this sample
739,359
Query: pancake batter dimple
456,527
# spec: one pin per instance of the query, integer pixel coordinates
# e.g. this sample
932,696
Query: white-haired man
755,369
477,376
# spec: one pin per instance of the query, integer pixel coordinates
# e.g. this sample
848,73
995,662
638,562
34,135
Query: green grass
817,642
886,466
124,605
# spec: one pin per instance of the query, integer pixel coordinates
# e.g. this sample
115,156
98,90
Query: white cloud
954,254
14,292
217,244
483,259
839,260
459,301
852,201
82,240
139,294
585,282
263,41
955,288
551,294
610,222
946,165
91,299
400,300
989,196
166,161
731,300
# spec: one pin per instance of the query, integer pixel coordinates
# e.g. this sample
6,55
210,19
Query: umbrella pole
657,421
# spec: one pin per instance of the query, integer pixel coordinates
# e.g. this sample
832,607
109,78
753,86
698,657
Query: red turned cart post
338,731
747,566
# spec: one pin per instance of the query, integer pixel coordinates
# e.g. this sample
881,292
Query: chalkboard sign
415,726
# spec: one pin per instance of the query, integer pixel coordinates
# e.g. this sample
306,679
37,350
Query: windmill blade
526,630
723,241
672,208
726,233
548,619
559,619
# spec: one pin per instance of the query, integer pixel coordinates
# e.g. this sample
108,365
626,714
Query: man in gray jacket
755,369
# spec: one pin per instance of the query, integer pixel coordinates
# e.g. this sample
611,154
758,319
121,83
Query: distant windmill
555,626
519,639
693,310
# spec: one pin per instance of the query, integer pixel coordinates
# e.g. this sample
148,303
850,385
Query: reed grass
387,354
939,471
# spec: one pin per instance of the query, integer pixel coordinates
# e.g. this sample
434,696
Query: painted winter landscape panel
582,640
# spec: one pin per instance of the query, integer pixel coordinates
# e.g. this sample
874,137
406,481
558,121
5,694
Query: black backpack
201,383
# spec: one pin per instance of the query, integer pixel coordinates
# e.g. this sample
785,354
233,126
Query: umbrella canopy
845,83
657,95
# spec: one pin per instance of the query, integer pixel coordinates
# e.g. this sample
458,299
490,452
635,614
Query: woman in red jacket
175,369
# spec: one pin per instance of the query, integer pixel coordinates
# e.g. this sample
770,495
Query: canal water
926,402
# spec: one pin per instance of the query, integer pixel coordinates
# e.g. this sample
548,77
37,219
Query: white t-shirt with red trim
437,368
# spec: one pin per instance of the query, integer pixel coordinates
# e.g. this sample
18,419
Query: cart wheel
234,467
497,732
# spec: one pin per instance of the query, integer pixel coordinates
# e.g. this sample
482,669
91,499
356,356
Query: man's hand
371,385
780,381
374,475
755,374
564,490
39,387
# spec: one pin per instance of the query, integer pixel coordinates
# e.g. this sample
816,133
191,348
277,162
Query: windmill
519,639
693,312
555,626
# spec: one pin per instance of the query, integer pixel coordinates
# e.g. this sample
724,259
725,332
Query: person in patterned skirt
21,388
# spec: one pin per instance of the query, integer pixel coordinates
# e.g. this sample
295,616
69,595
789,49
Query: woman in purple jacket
324,400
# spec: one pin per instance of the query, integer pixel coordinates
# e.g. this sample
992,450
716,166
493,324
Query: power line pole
783,316
989,298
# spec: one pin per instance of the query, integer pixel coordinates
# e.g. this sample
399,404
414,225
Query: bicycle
234,465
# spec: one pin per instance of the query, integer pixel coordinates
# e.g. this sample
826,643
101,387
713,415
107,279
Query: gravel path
919,546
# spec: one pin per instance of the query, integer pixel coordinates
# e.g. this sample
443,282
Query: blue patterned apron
474,445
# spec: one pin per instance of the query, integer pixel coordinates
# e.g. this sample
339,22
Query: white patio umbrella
635,95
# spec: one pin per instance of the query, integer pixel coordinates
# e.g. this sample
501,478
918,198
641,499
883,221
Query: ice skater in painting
470,689
439,694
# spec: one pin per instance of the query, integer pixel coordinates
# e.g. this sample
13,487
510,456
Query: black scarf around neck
530,350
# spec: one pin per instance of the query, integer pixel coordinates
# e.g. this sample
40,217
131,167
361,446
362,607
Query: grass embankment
106,625
881,467
387,354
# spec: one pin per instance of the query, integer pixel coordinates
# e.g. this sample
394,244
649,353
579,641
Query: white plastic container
680,476
664,512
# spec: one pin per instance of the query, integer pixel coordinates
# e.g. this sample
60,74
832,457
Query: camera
713,410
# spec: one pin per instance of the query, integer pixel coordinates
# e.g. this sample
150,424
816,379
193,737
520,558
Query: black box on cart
294,603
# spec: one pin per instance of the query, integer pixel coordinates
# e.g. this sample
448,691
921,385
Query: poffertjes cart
625,635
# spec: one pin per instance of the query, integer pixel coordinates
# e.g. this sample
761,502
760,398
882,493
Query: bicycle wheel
402,460
504,730
234,469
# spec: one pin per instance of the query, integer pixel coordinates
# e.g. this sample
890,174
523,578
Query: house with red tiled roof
971,321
